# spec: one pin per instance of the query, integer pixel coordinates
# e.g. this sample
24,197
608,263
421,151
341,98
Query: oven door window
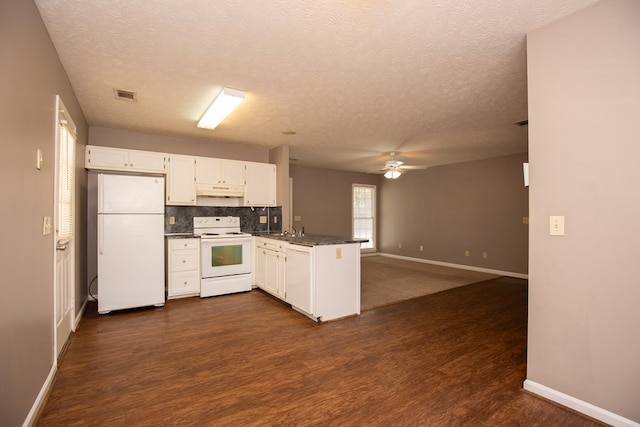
226,255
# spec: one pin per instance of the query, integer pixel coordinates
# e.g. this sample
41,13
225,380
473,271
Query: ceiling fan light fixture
223,105
392,173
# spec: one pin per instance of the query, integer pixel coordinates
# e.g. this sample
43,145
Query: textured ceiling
439,81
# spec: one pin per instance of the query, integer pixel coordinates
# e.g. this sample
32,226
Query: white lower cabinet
321,281
270,259
183,267
299,274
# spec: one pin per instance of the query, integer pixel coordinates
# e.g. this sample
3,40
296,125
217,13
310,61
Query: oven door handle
214,242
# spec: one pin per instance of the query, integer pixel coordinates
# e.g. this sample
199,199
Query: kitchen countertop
311,239
306,240
180,235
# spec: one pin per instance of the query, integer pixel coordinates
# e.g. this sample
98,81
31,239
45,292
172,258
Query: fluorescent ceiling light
392,173
221,108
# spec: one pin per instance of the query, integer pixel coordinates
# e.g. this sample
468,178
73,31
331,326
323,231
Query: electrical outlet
172,220
525,220
275,219
263,219
466,253
485,255
338,253
421,248
556,225
399,245
297,218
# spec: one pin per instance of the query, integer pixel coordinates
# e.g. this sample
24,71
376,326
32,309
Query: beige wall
118,138
279,156
322,198
584,92
474,206
30,77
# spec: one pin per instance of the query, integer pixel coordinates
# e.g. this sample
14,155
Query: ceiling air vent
125,95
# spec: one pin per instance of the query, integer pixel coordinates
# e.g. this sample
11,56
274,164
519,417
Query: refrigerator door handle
100,234
100,193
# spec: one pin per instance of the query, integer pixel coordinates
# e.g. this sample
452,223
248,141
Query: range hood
219,190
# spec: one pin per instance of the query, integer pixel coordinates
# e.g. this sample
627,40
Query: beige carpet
387,280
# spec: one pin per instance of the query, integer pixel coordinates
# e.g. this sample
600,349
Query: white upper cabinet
219,171
261,184
181,187
256,181
118,159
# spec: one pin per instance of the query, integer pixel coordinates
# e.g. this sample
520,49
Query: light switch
338,253
46,225
39,159
263,219
556,225
297,218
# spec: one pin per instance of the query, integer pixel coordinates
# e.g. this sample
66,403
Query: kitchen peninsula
318,275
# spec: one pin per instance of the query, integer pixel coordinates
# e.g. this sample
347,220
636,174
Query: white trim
374,239
365,254
78,318
579,405
460,266
42,397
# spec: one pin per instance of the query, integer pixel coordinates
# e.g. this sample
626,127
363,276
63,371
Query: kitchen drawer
184,283
179,244
270,244
184,260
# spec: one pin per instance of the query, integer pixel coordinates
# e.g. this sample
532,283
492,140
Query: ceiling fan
392,168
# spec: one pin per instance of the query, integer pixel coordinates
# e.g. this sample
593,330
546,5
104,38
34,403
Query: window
66,175
364,215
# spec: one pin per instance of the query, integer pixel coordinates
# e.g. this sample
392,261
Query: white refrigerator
130,242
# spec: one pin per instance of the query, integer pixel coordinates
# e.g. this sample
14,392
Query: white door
130,261
125,194
64,296
65,226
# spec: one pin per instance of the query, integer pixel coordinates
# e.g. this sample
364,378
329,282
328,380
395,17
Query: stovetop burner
212,227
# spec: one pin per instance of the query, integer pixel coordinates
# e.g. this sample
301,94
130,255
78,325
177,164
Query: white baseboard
76,321
44,391
579,405
459,266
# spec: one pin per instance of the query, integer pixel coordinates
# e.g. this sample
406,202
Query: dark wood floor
452,358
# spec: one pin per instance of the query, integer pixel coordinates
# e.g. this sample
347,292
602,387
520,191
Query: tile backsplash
249,217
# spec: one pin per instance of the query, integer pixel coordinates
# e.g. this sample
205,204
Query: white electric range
225,255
